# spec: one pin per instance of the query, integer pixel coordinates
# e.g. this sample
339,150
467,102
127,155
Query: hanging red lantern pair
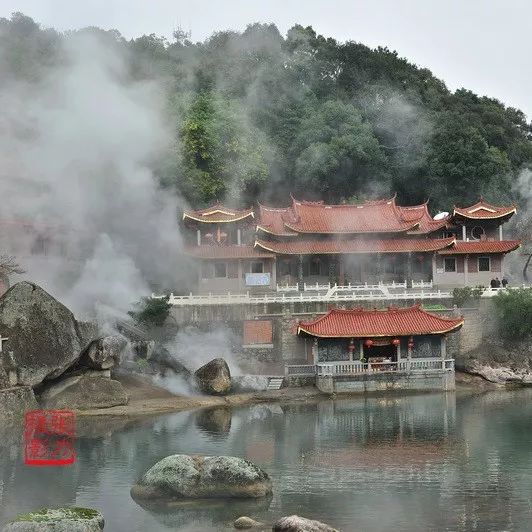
368,342
410,343
351,347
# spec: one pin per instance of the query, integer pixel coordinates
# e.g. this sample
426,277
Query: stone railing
355,368
492,292
300,370
332,296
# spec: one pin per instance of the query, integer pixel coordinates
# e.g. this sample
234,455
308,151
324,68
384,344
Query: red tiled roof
272,220
326,247
218,214
482,246
257,332
421,215
226,252
370,217
363,323
484,211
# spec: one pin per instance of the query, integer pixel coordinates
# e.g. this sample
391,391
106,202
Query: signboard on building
257,279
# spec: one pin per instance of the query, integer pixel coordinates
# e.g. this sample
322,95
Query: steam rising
76,149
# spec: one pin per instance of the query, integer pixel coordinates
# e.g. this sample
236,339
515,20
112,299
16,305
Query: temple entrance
380,353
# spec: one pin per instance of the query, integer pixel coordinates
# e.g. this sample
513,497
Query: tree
514,311
151,312
338,153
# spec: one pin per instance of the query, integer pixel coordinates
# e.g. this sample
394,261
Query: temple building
371,242
349,347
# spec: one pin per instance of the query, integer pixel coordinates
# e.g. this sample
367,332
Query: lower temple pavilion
370,350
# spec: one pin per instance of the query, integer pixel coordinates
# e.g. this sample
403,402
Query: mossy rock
71,519
182,476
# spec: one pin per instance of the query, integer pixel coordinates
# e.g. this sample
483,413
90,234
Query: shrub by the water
514,312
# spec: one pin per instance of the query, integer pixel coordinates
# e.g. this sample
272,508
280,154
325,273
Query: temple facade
371,350
371,242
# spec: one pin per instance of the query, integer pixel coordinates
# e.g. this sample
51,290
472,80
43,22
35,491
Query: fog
76,152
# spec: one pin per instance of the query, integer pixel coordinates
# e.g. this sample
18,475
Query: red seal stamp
49,438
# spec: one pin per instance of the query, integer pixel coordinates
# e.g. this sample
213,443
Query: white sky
483,45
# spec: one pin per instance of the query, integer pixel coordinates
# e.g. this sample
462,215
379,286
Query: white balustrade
283,297
301,370
412,365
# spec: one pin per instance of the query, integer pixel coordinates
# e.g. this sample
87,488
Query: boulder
294,523
104,353
15,401
88,390
183,476
58,520
214,378
245,523
43,335
4,380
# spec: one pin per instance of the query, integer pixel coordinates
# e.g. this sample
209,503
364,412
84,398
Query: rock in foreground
245,523
43,334
104,353
58,520
214,378
294,523
84,392
15,401
182,476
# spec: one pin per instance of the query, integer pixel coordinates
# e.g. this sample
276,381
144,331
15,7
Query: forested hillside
257,115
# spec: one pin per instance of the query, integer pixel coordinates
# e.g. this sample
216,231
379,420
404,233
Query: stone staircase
275,383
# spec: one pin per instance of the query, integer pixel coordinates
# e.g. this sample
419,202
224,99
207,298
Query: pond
420,462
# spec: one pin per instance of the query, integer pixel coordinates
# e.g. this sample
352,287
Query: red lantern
410,343
396,342
368,343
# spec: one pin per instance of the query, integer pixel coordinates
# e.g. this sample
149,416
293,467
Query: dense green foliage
466,294
514,310
258,115
151,312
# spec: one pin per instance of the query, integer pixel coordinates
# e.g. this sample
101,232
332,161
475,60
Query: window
449,265
257,267
484,264
220,269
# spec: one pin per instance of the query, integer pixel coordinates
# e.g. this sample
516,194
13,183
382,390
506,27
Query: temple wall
291,349
436,380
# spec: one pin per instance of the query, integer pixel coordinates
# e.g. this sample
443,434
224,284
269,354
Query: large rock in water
58,520
181,476
84,392
44,336
294,523
104,353
214,378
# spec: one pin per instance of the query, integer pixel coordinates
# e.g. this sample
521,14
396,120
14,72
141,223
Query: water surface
424,462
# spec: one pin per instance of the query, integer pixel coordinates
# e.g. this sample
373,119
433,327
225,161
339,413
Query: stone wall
436,380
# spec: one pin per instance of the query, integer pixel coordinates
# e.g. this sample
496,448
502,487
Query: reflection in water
214,420
425,462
